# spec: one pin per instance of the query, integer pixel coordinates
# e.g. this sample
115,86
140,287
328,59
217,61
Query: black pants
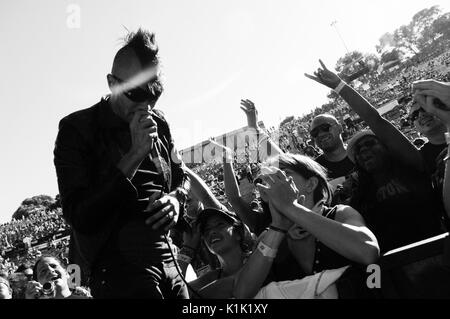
121,281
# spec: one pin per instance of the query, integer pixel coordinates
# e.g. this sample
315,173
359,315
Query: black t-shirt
429,153
336,169
401,211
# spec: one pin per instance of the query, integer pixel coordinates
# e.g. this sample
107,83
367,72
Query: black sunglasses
321,128
139,95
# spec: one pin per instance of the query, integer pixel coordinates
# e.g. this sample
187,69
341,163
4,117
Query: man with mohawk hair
122,183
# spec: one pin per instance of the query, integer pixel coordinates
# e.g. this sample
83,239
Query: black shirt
429,153
402,210
336,169
104,207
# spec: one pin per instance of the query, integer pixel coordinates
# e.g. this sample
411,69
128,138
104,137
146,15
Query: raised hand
252,113
325,77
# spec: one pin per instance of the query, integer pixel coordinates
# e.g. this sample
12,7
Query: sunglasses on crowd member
367,143
321,128
138,94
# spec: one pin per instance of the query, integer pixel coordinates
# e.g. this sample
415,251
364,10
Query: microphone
156,158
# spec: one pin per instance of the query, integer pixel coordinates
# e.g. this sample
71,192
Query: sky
55,55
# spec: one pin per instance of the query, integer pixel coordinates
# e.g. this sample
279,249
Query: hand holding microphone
143,134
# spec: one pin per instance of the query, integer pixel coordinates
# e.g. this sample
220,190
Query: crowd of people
40,224
330,198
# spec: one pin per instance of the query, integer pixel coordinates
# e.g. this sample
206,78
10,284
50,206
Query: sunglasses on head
321,128
137,94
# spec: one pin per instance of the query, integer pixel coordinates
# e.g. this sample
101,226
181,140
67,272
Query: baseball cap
209,212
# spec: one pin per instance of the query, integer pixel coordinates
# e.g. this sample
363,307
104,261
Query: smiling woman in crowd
229,240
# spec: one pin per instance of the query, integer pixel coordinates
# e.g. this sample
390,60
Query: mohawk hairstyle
143,43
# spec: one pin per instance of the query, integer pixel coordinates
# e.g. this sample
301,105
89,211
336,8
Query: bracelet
447,137
266,251
184,258
339,87
280,230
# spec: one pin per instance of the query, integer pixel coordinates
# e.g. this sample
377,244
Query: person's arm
347,235
397,143
264,141
240,206
201,191
251,277
207,288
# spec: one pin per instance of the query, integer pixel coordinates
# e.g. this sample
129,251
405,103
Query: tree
441,26
33,205
391,58
286,120
386,42
416,35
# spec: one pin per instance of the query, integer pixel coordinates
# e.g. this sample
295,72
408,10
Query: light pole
333,24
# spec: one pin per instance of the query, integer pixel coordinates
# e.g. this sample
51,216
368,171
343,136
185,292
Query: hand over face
164,211
279,189
434,97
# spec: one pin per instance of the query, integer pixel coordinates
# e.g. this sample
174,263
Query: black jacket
94,192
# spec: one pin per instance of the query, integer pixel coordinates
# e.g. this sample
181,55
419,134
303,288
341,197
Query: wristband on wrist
339,87
447,137
184,258
266,251
277,229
